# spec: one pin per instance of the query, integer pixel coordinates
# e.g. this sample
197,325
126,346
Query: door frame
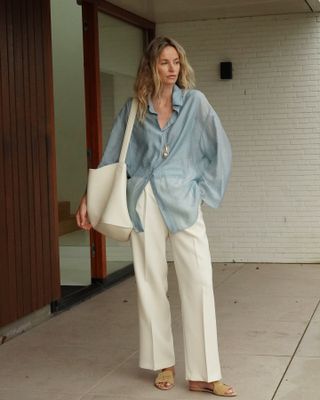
90,9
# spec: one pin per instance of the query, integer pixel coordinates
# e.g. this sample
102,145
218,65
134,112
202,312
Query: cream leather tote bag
107,192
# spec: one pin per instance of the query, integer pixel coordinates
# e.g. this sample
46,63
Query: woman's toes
231,390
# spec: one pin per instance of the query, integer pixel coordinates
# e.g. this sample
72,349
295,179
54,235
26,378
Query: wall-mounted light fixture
226,70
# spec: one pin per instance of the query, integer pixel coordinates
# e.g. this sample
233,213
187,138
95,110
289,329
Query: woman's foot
217,387
165,379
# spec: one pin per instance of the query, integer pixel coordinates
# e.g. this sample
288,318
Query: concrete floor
269,337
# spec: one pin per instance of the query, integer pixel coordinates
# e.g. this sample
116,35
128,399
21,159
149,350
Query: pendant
165,151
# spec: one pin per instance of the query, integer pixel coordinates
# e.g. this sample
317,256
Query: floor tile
60,369
155,396
222,271
99,334
310,344
37,395
253,377
259,337
20,394
103,322
269,308
285,270
243,372
266,280
130,380
316,316
90,352
301,380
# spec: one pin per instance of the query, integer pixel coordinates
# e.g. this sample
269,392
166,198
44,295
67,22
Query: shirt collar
177,100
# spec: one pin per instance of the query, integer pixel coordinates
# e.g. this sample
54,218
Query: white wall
271,111
69,107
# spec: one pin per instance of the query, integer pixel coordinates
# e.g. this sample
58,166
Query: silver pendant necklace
165,151
166,148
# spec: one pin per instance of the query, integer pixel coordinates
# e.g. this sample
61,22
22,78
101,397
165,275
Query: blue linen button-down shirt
197,167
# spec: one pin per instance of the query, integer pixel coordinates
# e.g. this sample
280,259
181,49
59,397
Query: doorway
96,50
120,49
70,132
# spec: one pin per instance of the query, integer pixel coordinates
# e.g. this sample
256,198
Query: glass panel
71,146
121,47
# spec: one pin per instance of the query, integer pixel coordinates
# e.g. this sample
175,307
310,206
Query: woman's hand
82,215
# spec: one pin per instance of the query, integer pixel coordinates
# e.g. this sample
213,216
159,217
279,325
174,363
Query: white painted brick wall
271,112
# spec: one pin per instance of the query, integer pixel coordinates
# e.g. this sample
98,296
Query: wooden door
29,262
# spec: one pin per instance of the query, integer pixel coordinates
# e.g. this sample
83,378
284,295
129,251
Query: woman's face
168,65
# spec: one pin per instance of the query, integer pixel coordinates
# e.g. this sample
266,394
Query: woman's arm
82,214
216,147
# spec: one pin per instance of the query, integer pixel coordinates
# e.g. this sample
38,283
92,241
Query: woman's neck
165,95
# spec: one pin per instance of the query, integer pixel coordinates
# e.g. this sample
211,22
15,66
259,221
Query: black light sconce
226,70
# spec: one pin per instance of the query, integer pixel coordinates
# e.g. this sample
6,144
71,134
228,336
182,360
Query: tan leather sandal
218,388
164,380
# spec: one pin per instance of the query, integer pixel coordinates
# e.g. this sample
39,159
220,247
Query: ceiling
188,10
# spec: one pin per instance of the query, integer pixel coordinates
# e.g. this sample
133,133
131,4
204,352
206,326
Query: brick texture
271,112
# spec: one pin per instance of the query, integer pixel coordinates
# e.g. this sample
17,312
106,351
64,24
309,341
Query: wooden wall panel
8,288
29,268
51,155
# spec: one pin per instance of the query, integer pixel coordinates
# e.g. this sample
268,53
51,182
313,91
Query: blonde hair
148,81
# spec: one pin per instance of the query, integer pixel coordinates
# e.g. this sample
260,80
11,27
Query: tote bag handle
128,131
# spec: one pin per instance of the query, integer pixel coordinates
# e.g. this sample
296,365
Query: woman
178,157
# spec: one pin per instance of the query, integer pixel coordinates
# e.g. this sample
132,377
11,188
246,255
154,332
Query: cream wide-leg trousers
194,273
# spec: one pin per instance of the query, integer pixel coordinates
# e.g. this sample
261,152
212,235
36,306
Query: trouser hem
211,378
157,367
